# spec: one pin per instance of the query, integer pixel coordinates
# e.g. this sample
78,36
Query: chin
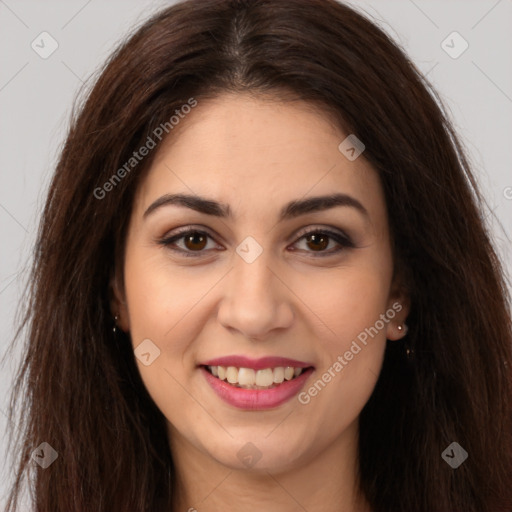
258,452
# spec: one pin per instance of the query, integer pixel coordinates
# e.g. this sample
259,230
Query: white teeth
232,374
250,378
288,373
264,377
278,375
246,377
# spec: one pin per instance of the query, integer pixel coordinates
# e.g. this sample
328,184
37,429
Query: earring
409,352
114,329
403,328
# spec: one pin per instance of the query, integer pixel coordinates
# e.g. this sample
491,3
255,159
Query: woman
262,281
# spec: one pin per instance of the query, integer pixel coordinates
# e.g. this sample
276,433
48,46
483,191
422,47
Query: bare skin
256,156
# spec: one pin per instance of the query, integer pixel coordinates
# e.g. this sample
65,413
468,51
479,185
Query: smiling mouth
248,378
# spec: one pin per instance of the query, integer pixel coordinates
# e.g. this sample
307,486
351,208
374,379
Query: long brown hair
78,383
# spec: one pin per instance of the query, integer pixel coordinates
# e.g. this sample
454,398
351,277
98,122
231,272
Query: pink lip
256,399
256,364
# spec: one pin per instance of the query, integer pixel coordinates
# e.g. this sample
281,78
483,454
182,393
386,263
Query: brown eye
195,241
317,241
192,242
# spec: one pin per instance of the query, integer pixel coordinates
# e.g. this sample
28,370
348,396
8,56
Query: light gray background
36,96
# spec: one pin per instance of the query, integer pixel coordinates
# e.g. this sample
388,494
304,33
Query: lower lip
257,399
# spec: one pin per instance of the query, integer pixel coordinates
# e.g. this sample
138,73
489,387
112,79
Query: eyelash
343,240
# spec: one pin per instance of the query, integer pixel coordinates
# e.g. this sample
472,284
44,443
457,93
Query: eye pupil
316,238
192,237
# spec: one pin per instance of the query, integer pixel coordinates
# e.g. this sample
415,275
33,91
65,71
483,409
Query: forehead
258,153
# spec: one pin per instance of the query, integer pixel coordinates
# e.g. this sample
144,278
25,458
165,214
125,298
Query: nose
256,301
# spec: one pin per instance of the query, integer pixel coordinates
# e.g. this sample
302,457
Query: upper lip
256,364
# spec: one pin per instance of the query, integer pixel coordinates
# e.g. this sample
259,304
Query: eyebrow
289,211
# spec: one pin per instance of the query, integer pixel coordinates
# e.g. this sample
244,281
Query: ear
118,305
399,302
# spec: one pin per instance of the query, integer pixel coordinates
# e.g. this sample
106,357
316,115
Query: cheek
345,302
351,340
162,297
163,306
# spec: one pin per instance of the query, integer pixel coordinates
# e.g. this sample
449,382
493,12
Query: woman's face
252,284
